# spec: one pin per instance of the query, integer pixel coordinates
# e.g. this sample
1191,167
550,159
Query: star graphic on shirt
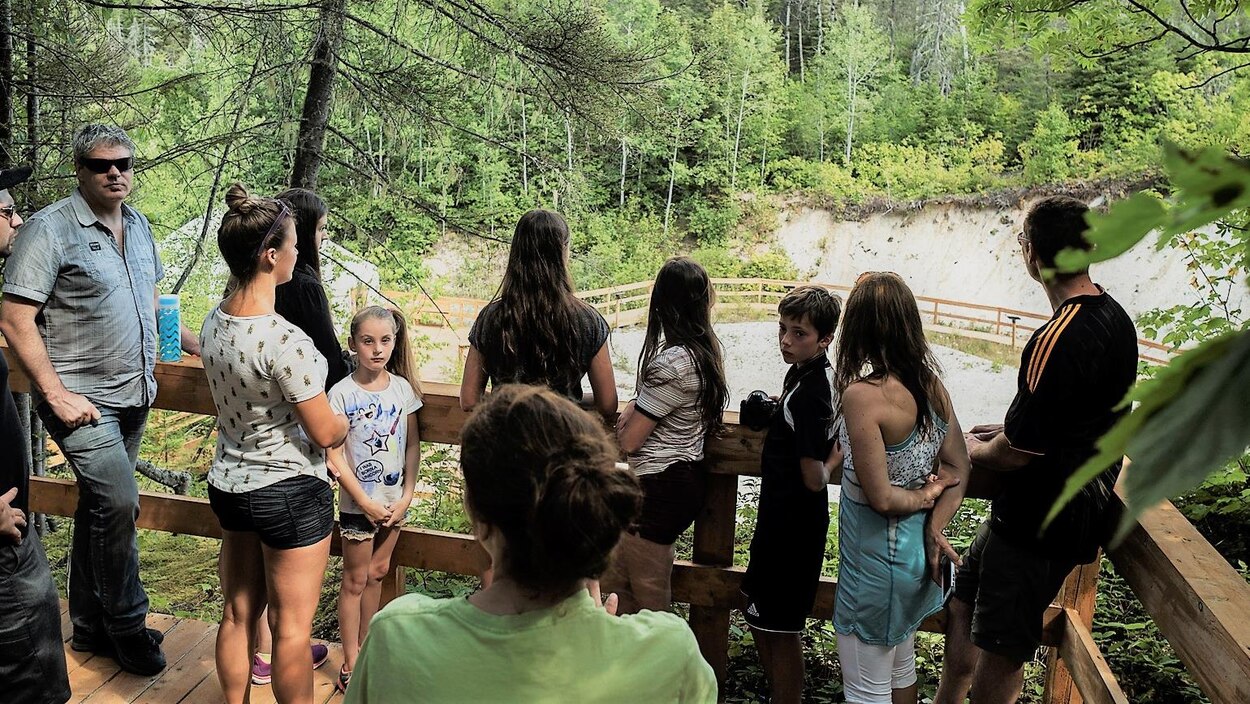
377,443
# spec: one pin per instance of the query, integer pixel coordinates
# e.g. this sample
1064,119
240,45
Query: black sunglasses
102,166
8,211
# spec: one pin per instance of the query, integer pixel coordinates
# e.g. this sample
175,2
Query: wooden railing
627,305
1198,601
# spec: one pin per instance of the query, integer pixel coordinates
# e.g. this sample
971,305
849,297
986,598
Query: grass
999,354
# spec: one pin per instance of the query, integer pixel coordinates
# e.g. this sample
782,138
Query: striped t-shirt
668,393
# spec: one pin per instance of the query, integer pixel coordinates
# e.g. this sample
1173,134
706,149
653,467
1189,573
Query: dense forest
656,126
651,124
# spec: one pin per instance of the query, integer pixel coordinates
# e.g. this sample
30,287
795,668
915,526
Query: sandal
345,676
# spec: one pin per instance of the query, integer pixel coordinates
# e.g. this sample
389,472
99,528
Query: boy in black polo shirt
1074,371
788,548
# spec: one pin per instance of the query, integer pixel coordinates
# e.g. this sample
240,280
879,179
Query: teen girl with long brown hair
681,395
899,425
537,331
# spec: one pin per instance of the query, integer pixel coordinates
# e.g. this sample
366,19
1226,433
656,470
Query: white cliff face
958,253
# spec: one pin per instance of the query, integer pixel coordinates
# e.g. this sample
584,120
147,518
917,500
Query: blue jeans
32,655
104,587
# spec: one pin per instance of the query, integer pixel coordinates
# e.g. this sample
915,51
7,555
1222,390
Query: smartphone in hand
947,569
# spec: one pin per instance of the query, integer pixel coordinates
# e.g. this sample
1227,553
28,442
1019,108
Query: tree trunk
317,100
624,154
788,36
742,103
6,83
820,126
32,105
801,70
525,150
850,112
672,175
568,133
820,27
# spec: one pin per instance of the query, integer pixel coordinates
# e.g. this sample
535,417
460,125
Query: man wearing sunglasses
32,663
80,313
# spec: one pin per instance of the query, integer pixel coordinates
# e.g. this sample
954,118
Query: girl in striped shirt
681,394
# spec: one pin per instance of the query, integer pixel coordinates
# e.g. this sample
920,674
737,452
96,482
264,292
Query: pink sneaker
262,672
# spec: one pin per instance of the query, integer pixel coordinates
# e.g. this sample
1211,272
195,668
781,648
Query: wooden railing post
714,545
394,585
1078,594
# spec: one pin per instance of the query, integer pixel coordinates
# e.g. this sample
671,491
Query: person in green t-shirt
548,504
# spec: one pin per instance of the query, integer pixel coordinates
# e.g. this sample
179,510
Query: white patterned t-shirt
258,368
377,436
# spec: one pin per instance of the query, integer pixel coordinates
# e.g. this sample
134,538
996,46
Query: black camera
757,410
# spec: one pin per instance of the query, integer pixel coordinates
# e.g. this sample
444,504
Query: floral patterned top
258,368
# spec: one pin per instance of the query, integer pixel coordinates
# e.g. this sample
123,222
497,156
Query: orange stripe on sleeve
1050,344
1043,336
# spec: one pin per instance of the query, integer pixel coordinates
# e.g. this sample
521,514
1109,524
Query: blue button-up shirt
98,317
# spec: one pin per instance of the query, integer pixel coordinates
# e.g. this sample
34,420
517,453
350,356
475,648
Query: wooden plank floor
189,677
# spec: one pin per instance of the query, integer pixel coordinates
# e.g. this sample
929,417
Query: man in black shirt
1074,372
32,658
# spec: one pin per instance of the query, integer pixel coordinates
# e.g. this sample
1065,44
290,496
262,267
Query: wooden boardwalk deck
189,678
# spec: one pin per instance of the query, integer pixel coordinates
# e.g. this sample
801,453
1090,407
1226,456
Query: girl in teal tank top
901,485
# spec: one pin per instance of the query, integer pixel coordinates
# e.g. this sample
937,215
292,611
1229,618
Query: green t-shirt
447,650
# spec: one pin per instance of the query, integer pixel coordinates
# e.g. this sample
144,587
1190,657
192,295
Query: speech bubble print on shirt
369,471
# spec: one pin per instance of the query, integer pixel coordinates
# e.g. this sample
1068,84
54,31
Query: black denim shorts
356,526
292,513
671,501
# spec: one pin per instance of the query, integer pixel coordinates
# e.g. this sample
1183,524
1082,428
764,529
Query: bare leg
905,695
998,679
264,637
782,656
616,579
959,658
356,557
294,579
651,575
379,566
241,570
641,574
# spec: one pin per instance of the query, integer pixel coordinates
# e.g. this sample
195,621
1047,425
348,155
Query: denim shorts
292,513
357,526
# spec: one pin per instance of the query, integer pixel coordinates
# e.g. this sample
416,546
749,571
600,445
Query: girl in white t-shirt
376,467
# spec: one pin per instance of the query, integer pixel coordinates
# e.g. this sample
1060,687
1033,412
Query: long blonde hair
401,363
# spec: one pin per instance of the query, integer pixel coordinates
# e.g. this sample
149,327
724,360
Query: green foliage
1049,153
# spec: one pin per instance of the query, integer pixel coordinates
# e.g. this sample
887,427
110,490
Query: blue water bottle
169,325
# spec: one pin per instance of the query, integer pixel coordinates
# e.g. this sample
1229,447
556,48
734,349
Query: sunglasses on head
102,166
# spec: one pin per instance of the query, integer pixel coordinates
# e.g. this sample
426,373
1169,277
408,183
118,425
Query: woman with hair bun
268,483
548,503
